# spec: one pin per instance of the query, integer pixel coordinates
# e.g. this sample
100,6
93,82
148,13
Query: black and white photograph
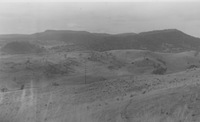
102,61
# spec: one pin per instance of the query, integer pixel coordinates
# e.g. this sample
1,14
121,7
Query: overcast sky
100,17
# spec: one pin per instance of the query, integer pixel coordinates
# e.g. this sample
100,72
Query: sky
100,17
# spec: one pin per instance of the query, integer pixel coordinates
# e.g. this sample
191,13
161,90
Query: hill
21,47
170,40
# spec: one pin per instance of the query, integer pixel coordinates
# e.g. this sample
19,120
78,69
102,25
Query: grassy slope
121,95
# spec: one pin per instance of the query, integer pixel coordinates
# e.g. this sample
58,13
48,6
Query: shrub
4,90
160,70
55,84
192,66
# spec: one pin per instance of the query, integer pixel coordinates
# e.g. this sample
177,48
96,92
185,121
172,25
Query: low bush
159,71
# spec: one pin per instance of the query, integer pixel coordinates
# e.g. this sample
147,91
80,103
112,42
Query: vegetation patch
192,66
159,70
